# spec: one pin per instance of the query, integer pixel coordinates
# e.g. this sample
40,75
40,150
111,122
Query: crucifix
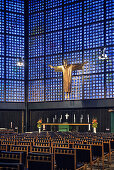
67,115
67,74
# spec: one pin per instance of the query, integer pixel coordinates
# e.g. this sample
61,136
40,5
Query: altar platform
63,126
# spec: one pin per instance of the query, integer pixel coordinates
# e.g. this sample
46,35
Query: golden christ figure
67,74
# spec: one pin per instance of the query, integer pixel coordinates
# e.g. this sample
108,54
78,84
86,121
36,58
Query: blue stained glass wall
76,30
11,49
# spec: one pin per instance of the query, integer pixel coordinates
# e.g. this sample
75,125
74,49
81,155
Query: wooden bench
11,166
65,158
86,154
15,157
40,161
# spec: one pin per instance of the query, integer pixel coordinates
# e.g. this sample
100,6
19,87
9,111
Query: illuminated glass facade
76,30
11,49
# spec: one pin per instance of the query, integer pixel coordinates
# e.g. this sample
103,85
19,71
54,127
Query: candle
11,125
88,118
61,116
53,120
47,119
55,116
89,127
74,118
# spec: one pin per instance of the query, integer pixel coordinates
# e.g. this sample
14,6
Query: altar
63,127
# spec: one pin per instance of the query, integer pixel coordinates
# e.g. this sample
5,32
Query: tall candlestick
11,125
89,127
88,118
74,118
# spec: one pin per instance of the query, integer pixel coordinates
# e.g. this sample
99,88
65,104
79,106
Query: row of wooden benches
93,152
54,151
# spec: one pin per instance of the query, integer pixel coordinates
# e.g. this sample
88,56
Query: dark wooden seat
11,166
86,154
40,149
42,143
60,145
40,161
65,158
15,157
4,147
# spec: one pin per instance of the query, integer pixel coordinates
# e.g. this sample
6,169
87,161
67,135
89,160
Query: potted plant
39,125
94,125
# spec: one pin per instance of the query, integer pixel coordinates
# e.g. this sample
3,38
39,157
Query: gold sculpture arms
78,66
57,68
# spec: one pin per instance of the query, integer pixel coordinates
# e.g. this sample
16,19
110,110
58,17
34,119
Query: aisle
106,165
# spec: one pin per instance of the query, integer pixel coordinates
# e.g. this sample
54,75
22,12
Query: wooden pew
11,166
66,158
40,161
42,144
85,154
12,157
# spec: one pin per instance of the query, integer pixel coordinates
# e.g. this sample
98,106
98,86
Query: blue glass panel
93,11
94,35
54,43
110,32
110,59
53,89
73,39
36,46
94,65
110,85
12,70
36,23
94,86
1,4
15,6
73,15
1,44
69,1
54,19
1,90
1,67
36,68
55,60
15,24
36,91
36,5
53,3
109,9
1,22
15,91
14,46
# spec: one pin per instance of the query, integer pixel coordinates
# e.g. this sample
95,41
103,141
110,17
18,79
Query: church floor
106,166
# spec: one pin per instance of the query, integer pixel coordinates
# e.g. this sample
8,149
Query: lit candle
74,118
11,125
89,127
88,118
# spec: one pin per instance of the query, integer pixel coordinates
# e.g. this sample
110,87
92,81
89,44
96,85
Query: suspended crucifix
67,74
